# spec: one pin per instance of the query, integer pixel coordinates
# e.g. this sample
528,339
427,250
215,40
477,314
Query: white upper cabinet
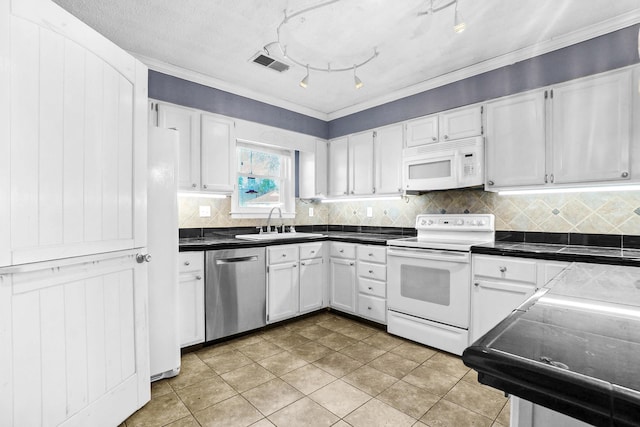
207,148
312,171
217,154
515,141
187,123
460,123
73,139
360,167
367,163
338,166
388,159
576,133
422,131
591,129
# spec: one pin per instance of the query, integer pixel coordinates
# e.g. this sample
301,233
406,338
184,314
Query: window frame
287,182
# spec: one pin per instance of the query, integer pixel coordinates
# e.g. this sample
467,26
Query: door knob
140,258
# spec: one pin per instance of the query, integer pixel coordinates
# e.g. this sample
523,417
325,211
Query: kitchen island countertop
558,252
574,347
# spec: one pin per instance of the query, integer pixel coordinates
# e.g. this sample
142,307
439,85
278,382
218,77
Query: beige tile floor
322,370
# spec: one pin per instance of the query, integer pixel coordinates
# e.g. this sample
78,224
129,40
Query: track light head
305,81
458,22
358,83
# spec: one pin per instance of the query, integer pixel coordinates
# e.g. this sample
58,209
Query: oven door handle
429,254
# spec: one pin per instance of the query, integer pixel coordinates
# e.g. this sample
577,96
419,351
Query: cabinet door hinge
481,109
375,134
267,268
551,93
546,94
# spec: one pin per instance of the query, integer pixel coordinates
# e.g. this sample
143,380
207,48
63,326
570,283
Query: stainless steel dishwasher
235,291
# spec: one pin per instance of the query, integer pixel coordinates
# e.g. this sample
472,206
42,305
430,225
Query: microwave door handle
430,254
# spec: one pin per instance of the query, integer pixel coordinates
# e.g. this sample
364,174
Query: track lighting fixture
458,22
356,80
305,82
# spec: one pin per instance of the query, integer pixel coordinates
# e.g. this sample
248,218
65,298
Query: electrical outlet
310,211
205,211
369,212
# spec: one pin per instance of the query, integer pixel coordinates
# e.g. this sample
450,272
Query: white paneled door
73,298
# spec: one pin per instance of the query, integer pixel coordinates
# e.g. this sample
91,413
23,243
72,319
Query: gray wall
167,88
613,50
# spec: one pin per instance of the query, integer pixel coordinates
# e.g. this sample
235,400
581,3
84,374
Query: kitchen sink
278,236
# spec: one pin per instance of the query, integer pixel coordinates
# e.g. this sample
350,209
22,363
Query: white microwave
444,165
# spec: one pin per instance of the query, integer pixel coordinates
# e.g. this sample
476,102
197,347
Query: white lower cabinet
527,414
312,276
342,267
295,280
501,284
191,298
372,282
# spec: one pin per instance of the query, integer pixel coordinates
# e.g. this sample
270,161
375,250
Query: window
264,181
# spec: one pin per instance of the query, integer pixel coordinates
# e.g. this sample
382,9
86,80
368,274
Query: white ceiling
212,41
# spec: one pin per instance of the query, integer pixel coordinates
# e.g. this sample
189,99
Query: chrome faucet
269,220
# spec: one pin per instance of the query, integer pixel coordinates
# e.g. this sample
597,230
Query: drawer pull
370,288
303,263
198,277
341,251
368,308
284,255
370,254
370,271
313,252
502,269
187,263
351,263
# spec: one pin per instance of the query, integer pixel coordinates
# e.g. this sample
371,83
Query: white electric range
429,279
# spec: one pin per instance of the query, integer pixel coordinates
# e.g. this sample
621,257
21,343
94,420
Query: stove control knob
481,222
430,222
423,222
473,222
459,222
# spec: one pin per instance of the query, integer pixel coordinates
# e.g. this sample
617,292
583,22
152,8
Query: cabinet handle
302,264
368,308
313,252
193,185
490,182
284,255
341,250
295,265
204,186
434,138
198,277
446,137
624,174
370,271
370,254
370,288
351,191
351,263
187,263
476,284
502,269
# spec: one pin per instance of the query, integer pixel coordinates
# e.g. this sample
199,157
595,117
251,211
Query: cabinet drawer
280,254
372,271
372,253
372,287
343,250
190,261
505,268
372,307
311,250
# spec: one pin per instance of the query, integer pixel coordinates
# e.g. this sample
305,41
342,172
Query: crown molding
538,49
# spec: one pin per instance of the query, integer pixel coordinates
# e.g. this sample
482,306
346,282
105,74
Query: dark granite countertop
226,241
574,347
560,252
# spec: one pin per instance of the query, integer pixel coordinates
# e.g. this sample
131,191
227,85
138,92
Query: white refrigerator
162,214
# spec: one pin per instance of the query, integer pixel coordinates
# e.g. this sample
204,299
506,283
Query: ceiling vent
266,61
